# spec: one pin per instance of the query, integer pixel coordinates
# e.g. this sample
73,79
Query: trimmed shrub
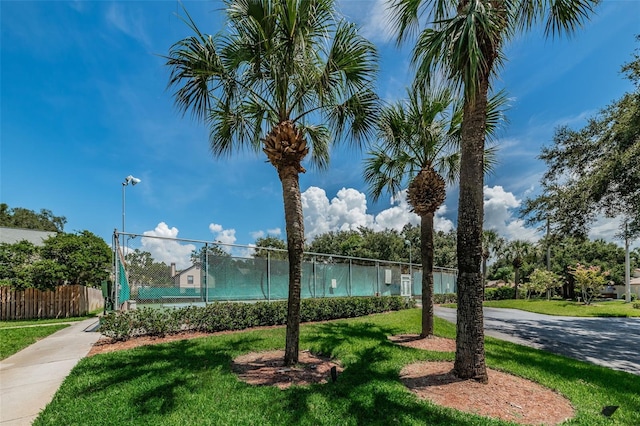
439,299
499,293
221,316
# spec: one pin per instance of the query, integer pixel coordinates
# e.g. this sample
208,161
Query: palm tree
516,252
491,243
287,77
420,144
466,39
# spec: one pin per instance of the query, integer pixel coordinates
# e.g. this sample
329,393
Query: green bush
439,299
221,316
636,305
499,293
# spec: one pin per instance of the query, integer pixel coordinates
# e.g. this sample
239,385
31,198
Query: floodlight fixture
128,180
131,180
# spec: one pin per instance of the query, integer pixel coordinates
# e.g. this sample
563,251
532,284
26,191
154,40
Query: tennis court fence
163,272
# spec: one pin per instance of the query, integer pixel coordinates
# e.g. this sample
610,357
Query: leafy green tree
143,270
271,242
593,170
516,252
280,67
19,217
47,274
504,273
465,40
590,280
84,257
444,244
542,281
419,144
492,244
15,261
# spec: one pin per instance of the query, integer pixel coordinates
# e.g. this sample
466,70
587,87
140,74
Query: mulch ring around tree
267,369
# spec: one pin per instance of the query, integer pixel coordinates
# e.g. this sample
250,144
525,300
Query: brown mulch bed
505,397
267,368
432,343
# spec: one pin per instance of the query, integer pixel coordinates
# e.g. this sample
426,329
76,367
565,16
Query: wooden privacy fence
64,301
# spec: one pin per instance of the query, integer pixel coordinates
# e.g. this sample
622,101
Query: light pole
128,180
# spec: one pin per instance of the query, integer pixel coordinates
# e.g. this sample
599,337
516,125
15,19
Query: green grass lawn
612,308
17,335
31,322
190,382
15,339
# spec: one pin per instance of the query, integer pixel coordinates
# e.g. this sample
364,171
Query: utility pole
627,264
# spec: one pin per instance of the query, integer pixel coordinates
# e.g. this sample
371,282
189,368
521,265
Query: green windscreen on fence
444,281
124,291
228,278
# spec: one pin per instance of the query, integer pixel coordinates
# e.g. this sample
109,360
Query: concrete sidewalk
30,378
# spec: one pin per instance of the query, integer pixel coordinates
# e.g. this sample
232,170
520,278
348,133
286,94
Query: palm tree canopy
278,61
422,132
467,37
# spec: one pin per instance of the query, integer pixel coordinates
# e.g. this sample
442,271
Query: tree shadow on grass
575,376
369,391
155,376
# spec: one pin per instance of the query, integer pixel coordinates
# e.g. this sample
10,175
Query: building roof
14,235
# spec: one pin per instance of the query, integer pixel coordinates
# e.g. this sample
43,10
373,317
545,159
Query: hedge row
440,299
221,316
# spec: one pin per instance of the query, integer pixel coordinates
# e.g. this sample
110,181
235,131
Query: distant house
634,283
187,278
14,235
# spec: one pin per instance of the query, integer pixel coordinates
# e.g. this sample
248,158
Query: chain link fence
168,272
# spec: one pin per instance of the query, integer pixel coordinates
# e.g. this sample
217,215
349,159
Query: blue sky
84,104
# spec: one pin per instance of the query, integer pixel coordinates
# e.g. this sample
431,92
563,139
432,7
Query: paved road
610,342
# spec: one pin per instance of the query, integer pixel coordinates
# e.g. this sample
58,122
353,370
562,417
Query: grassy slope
190,382
616,308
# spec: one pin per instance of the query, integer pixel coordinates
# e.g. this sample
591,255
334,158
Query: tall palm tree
466,38
516,252
492,243
419,144
287,77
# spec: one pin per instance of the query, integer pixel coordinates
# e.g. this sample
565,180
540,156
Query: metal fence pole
349,289
206,273
314,272
269,275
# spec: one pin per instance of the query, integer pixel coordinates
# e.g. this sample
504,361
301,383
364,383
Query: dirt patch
267,368
505,397
431,343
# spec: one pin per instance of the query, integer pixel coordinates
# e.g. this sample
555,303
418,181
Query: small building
187,278
15,235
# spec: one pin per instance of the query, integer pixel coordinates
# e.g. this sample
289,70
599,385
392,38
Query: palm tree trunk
426,253
470,357
517,279
484,274
295,244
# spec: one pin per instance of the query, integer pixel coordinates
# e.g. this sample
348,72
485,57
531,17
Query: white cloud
224,236
348,211
257,234
275,232
167,250
373,18
498,215
124,21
